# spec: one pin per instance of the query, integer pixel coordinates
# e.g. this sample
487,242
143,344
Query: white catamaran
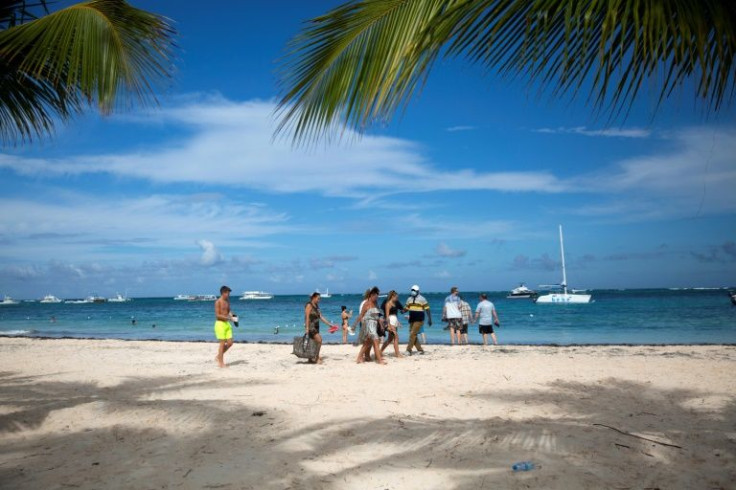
564,297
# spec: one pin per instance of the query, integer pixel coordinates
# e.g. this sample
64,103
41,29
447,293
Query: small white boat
183,297
76,301
203,297
7,300
93,298
50,298
326,294
564,297
521,292
119,298
248,295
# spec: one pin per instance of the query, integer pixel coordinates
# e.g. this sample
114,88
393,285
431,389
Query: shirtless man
223,330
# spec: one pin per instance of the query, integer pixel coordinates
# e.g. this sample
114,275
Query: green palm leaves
101,52
360,62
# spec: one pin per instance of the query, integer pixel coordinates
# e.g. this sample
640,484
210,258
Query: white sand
114,414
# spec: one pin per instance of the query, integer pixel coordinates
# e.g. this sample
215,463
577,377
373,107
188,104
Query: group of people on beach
377,321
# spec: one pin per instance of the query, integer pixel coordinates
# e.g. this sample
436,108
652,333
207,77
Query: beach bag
305,348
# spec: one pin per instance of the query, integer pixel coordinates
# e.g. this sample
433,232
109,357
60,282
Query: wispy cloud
454,129
607,133
695,175
444,250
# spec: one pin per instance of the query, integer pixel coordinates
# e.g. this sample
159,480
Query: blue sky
465,187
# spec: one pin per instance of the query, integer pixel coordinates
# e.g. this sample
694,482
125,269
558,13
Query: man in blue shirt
486,316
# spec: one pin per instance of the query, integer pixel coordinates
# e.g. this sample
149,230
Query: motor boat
7,300
248,295
50,298
564,297
119,298
183,297
203,297
521,292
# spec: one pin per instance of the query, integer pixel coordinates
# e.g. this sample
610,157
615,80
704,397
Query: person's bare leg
377,350
495,341
362,352
221,354
318,338
396,345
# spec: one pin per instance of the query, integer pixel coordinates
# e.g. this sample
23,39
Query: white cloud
210,255
230,144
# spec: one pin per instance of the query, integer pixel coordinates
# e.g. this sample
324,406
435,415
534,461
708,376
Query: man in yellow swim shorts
223,330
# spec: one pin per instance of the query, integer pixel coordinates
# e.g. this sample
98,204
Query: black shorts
464,328
485,328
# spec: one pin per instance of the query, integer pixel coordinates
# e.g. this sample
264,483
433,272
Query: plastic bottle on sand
523,466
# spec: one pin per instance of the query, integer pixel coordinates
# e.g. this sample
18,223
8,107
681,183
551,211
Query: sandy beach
114,414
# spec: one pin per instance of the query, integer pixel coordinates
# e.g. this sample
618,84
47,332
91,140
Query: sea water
654,316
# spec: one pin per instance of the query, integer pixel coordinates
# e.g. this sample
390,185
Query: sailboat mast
562,254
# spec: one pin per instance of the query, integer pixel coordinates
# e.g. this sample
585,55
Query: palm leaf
101,52
360,62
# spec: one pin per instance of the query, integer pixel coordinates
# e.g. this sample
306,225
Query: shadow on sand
220,443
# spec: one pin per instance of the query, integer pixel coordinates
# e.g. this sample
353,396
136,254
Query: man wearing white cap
417,306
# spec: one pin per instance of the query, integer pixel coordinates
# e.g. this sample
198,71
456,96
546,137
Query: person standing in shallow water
345,315
312,317
223,329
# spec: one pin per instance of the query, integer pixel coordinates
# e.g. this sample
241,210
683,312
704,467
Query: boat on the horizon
76,301
50,298
248,295
119,298
183,297
326,294
564,297
203,297
93,298
7,300
521,292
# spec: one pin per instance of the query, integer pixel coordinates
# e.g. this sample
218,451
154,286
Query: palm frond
101,52
360,62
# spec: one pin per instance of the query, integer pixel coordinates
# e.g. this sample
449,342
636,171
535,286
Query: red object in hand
333,329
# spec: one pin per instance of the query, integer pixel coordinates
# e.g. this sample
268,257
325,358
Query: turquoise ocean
636,316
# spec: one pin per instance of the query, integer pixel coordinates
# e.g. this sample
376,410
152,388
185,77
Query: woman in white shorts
391,309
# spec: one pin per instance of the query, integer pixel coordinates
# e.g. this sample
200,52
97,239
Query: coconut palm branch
362,61
101,52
